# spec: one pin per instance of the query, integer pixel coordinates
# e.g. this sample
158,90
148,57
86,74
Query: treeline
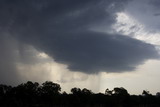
49,95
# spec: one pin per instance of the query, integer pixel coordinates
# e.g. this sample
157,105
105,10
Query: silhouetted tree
50,88
120,91
108,92
27,89
158,94
146,93
48,95
76,91
64,93
86,91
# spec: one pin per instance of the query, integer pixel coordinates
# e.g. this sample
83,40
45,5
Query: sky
94,44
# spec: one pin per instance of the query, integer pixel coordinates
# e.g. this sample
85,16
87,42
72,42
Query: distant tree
108,92
28,88
25,93
146,93
76,90
31,94
86,91
158,94
50,88
64,93
120,91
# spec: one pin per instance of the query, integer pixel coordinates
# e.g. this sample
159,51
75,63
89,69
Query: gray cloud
90,52
155,3
8,71
62,29
146,12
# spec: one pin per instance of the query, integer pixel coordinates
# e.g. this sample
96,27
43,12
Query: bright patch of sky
129,26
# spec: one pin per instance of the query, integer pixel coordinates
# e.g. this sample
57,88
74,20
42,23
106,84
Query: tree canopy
48,94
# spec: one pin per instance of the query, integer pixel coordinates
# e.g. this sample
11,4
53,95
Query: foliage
49,95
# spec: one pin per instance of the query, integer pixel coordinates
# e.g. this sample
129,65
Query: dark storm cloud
156,6
62,29
156,3
90,52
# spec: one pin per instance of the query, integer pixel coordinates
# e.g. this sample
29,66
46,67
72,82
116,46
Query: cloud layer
64,30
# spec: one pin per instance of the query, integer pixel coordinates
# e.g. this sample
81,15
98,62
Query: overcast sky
96,44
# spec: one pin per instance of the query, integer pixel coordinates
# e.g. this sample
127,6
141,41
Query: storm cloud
146,14
65,30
